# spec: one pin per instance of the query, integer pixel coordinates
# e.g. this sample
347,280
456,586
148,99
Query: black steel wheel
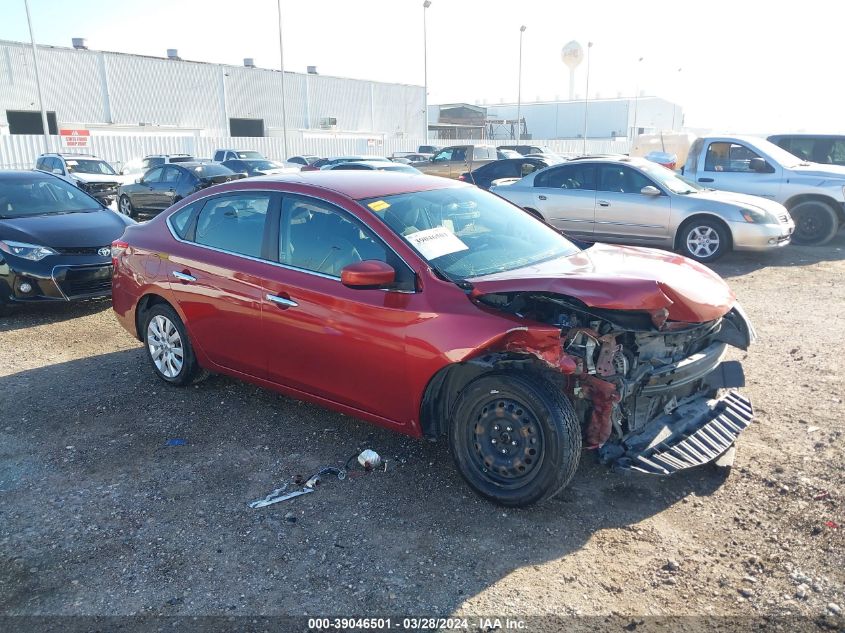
515,438
815,223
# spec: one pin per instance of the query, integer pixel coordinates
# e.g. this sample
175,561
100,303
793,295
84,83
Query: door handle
705,180
542,197
288,303
183,276
603,203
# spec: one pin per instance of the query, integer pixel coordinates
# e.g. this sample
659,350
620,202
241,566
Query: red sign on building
75,138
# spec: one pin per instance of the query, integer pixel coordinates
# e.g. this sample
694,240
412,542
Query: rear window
211,169
181,159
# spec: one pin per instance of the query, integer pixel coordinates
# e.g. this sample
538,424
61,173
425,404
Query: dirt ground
100,515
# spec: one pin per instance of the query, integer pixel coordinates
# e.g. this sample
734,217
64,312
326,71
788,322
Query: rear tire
703,239
515,438
168,347
124,205
816,223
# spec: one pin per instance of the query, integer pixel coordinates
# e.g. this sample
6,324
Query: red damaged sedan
433,308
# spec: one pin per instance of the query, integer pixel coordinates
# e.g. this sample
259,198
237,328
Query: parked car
319,164
451,162
635,201
305,159
414,158
827,149
55,240
431,150
91,174
162,186
373,165
233,154
509,168
445,311
507,153
258,166
813,193
156,160
524,150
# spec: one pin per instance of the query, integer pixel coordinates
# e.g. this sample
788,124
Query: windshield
89,166
20,197
249,154
669,179
465,232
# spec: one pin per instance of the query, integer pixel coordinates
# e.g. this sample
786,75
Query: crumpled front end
653,395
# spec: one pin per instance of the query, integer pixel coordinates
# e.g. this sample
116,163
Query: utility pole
519,90
44,124
426,5
284,98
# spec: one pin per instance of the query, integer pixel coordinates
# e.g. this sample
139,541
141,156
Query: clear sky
734,65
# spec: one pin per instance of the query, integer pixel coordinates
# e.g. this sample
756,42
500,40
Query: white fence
20,151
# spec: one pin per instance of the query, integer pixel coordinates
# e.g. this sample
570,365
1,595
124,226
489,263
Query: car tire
816,223
528,418
168,347
124,206
703,239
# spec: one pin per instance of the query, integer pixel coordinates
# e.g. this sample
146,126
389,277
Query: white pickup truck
814,193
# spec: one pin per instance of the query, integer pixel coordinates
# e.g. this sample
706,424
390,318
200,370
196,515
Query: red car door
217,274
341,344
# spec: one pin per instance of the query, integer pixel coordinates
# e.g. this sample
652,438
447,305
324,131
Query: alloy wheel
165,346
703,241
125,206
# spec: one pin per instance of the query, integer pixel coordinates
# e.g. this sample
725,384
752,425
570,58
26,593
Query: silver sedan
634,201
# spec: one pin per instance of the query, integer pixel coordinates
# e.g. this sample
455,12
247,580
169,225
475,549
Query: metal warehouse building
121,93
618,118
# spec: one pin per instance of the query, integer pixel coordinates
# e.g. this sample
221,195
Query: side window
502,169
581,176
154,175
730,157
837,152
446,154
459,153
171,175
234,223
181,220
319,237
41,163
218,156
621,179
297,160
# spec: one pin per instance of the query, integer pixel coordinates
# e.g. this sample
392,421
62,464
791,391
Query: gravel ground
99,515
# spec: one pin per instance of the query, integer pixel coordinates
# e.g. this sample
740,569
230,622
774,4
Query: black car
507,168
165,185
255,166
55,240
827,149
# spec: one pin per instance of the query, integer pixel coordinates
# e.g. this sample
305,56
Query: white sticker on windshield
436,242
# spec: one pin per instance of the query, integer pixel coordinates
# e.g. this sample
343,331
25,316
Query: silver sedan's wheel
165,346
704,240
125,206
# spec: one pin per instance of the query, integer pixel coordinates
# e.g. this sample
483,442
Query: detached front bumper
761,237
695,433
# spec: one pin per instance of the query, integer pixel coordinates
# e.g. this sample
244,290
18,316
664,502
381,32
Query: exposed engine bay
640,381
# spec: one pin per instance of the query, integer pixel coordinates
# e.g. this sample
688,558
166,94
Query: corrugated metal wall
20,151
94,88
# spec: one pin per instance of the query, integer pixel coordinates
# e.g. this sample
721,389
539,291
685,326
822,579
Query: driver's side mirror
369,273
650,190
759,165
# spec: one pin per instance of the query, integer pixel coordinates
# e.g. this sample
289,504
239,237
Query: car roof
34,174
363,184
71,154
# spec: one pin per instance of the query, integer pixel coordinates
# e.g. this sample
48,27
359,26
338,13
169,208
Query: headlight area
754,216
32,252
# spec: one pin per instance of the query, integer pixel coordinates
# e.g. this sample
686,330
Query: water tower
572,55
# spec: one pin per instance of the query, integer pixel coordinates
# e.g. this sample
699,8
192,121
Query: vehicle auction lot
99,515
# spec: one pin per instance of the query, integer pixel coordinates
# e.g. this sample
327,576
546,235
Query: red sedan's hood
622,278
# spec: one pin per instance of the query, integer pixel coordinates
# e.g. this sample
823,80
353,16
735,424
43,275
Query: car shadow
30,315
115,484
740,263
